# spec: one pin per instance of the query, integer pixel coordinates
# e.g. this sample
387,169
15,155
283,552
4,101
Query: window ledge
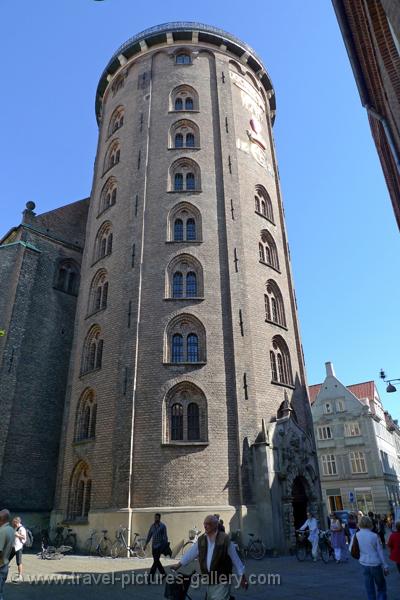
89,372
197,191
270,266
184,148
185,364
99,259
109,136
83,441
287,385
95,312
184,443
184,241
183,110
186,298
260,214
277,324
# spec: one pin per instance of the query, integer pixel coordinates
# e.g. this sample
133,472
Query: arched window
85,423
184,134
67,277
185,414
179,104
183,58
185,340
80,490
178,140
177,422
177,289
184,176
184,97
191,285
184,277
281,369
108,196
274,306
263,203
268,251
92,351
117,120
98,295
192,348
104,240
193,422
177,348
112,155
191,230
184,223
178,230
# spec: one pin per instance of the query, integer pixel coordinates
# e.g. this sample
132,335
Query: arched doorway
299,502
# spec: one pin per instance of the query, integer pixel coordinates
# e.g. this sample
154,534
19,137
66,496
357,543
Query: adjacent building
371,33
185,390
358,446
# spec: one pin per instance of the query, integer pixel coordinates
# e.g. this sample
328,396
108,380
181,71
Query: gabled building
358,446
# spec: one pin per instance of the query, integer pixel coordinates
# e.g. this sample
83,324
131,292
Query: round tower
187,355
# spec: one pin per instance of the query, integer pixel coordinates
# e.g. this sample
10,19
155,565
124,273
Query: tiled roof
360,390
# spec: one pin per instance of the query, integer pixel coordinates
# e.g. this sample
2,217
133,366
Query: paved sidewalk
88,578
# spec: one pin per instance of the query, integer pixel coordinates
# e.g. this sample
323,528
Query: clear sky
343,236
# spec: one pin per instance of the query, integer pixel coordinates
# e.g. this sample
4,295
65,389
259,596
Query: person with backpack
19,542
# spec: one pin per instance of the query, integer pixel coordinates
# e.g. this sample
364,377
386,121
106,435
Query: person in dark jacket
158,535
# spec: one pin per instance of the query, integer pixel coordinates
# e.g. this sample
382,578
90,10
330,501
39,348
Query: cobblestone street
88,578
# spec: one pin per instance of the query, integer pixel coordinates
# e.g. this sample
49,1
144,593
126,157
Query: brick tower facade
187,389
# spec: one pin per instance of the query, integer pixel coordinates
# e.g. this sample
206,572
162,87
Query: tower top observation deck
184,32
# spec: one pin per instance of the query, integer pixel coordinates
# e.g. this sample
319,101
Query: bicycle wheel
138,552
301,553
117,549
256,550
324,550
104,547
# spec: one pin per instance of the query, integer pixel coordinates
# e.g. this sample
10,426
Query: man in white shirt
20,540
7,536
216,554
312,525
372,560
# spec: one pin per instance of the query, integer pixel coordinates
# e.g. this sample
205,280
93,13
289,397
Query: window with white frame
352,429
324,432
327,408
329,464
340,405
357,462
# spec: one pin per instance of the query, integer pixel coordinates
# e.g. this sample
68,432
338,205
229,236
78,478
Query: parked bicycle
183,546
325,546
53,553
121,548
63,536
253,549
100,547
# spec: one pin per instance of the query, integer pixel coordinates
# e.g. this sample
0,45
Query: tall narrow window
177,422
177,285
274,370
192,348
178,182
261,252
178,104
191,285
189,104
191,230
178,230
193,422
177,348
178,140
190,181
190,140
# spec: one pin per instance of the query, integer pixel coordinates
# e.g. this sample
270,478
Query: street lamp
390,387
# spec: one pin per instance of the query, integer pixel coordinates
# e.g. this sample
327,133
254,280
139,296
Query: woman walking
338,538
372,560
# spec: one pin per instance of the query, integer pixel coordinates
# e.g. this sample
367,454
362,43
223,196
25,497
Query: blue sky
343,236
